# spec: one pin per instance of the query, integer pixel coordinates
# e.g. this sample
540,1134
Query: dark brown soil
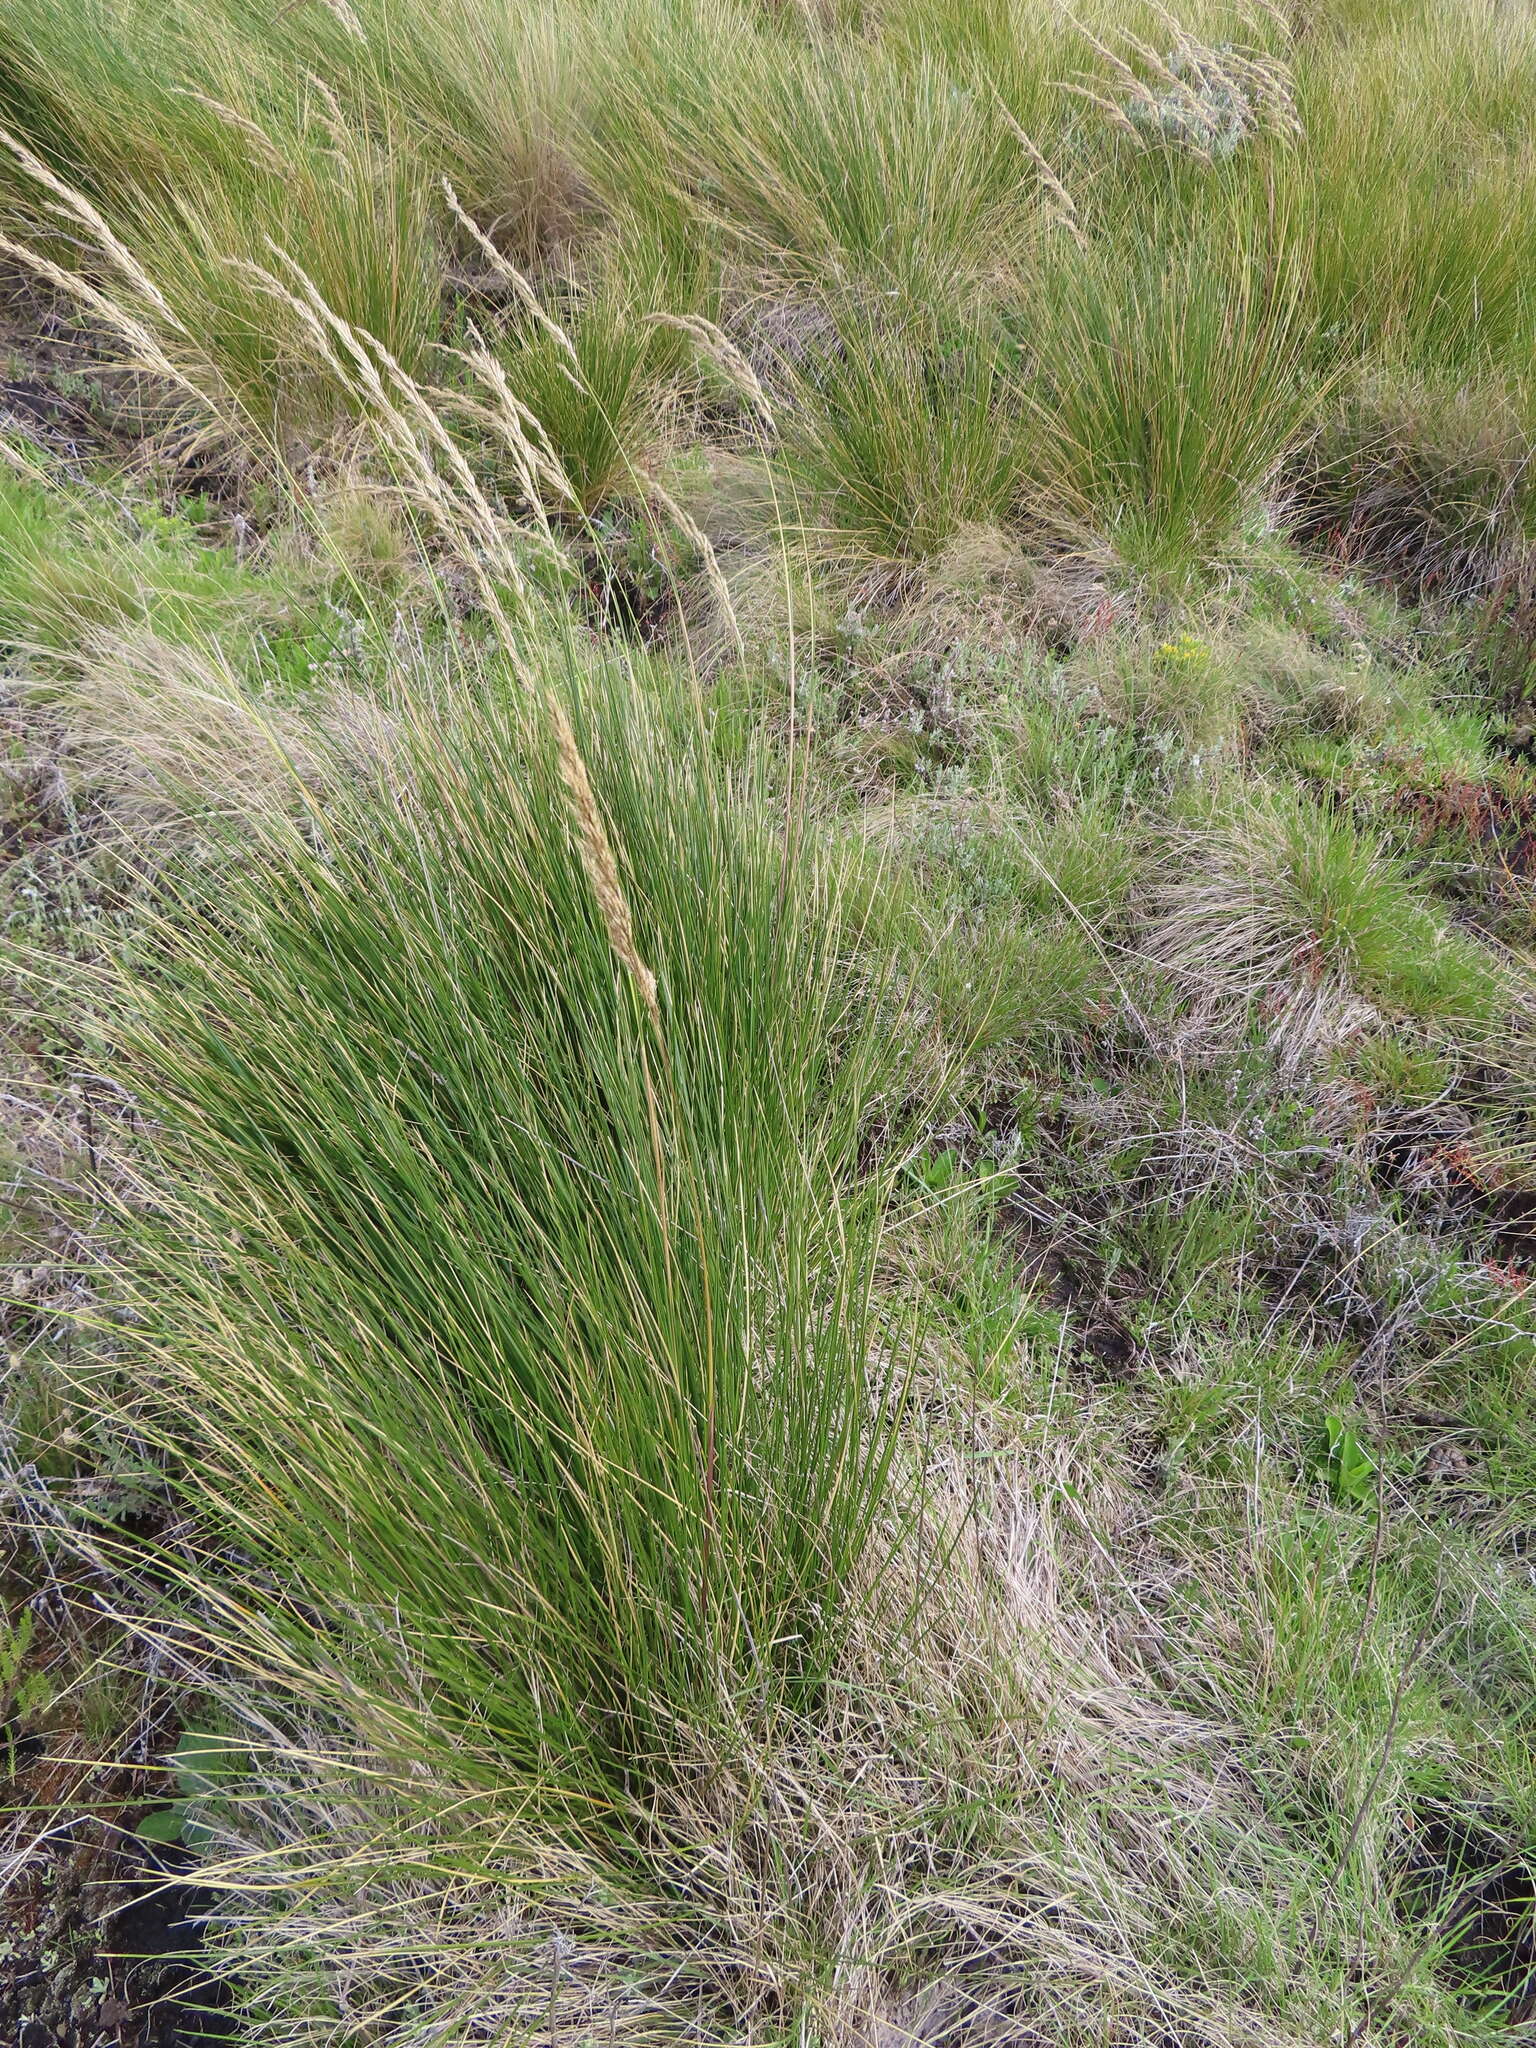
98,1928
103,1949
1477,1877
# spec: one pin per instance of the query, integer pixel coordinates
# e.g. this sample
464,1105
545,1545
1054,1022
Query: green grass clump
211,181
598,386
1292,892
547,1344
1437,105
493,99
830,162
904,436
1116,332
349,210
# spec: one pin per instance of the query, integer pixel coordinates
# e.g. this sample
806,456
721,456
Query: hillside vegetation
770,1040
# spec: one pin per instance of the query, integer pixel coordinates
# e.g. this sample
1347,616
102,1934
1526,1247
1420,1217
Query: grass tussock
1294,894
905,437
685,1433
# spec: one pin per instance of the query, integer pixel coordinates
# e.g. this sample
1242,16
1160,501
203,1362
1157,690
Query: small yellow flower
1189,647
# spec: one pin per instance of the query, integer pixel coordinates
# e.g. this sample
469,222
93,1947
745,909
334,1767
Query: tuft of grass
207,196
597,374
904,436
1291,895
353,213
539,1345
1168,388
536,1092
1426,481
1434,109
495,99
834,161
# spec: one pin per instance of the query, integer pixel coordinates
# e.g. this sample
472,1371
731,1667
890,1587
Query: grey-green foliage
1202,107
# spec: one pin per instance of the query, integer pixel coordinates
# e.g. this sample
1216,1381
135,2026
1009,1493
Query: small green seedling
1346,1464
946,1173
23,1694
940,1171
201,1765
